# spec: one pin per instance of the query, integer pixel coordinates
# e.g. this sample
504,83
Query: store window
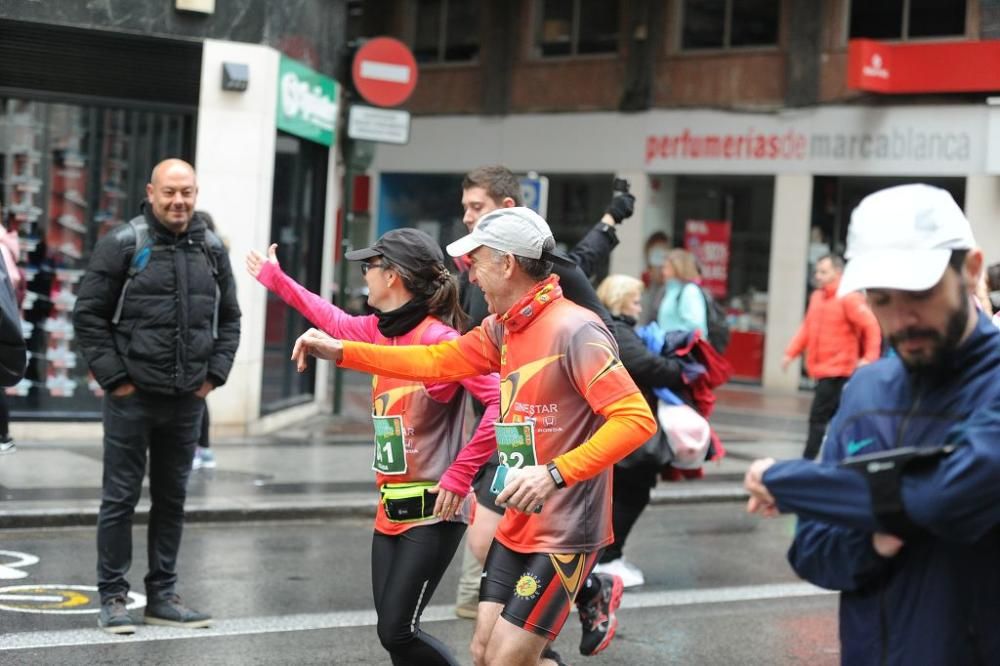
446,31
68,174
577,27
907,19
297,223
734,211
723,24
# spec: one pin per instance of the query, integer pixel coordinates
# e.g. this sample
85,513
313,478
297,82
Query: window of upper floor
907,19
577,27
446,31
726,24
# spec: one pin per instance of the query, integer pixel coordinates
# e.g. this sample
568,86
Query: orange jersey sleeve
629,424
467,356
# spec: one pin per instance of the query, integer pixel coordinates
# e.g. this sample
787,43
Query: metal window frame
905,28
727,33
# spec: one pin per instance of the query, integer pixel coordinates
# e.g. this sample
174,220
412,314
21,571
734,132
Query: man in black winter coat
158,323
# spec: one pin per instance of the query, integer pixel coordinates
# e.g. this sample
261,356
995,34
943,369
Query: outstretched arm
325,315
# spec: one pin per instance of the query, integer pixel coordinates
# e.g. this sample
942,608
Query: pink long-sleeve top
432,413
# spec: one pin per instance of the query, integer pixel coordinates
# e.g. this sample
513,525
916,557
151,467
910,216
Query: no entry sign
384,72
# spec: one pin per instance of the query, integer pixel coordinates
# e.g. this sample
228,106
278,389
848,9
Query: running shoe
598,615
7,445
630,574
203,458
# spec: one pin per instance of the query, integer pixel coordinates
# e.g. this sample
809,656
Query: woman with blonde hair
683,306
636,475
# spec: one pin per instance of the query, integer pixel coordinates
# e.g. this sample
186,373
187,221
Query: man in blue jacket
901,513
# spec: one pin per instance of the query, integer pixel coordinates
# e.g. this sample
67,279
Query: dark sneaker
170,612
7,445
114,617
598,615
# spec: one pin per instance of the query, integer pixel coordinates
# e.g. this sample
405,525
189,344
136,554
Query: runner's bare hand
315,342
255,260
886,545
761,501
447,504
527,491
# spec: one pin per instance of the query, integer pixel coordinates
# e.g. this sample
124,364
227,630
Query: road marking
61,600
10,570
367,618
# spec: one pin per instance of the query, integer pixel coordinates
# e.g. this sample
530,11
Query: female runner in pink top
421,468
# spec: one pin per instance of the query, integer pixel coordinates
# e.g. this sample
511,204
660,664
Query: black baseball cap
411,249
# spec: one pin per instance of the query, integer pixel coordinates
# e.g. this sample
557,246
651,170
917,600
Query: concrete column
982,207
235,163
786,289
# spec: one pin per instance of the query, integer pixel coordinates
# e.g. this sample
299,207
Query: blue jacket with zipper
938,600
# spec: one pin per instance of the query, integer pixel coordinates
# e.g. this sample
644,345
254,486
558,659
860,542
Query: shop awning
889,67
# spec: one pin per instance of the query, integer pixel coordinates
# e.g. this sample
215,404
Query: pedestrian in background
683,306
634,476
416,302
204,456
838,335
158,324
902,513
11,312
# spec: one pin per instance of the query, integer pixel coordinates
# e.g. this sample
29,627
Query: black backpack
715,317
136,233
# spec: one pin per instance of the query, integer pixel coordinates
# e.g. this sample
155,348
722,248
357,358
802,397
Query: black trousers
825,402
166,427
630,496
406,569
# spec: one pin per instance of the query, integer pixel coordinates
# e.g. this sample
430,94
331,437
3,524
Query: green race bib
516,443
390,445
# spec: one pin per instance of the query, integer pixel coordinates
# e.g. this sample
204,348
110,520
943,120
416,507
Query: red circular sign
384,71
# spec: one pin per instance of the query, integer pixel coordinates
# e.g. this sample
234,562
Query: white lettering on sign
875,69
10,569
897,144
385,71
298,99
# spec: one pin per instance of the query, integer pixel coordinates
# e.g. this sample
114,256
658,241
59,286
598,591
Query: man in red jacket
838,336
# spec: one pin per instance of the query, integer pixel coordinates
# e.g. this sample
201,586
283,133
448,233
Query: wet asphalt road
718,592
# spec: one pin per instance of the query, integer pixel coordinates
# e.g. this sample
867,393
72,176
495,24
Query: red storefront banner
708,241
966,66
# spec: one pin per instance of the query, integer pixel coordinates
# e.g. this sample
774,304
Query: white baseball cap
902,238
517,230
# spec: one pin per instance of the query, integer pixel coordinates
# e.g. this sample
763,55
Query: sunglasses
365,267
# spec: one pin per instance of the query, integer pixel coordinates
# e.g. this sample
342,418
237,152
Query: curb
333,508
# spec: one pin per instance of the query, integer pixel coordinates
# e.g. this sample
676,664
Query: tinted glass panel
428,30
555,30
704,24
877,19
598,26
754,23
937,18
462,30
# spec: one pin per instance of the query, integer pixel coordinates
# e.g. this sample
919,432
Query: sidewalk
322,467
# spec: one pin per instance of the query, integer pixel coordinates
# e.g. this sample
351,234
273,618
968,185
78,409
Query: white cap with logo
902,238
517,230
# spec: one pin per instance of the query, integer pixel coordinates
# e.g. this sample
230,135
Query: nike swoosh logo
854,447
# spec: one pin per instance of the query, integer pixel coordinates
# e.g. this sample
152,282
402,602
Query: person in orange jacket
838,336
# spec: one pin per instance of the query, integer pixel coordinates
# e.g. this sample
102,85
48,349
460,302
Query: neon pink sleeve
323,314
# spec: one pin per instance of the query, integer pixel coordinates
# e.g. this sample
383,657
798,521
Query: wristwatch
556,476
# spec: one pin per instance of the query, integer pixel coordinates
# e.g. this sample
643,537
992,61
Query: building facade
741,127
92,96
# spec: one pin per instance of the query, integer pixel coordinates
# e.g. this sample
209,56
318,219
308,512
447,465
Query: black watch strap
556,476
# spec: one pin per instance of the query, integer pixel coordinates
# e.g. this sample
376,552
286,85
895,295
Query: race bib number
516,443
390,445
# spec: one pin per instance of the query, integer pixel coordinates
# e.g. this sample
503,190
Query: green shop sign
307,102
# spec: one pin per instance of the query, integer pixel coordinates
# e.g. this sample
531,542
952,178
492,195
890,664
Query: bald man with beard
158,324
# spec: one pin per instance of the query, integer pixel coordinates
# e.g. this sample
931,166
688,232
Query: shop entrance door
297,219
